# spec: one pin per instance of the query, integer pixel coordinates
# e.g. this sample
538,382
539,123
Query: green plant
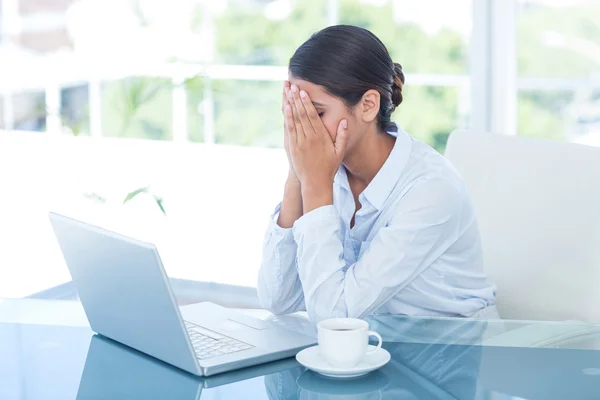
146,189
135,93
95,197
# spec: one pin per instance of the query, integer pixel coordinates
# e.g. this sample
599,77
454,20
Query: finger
311,112
283,104
285,100
296,114
284,93
285,127
341,139
303,115
289,121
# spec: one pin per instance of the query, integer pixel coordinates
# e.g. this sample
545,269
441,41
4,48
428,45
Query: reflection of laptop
113,371
126,296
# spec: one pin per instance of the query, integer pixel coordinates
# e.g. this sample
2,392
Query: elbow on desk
274,305
277,300
276,309
277,304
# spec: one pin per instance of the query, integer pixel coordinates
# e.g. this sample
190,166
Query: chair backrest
538,205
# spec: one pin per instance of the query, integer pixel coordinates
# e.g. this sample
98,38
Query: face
332,110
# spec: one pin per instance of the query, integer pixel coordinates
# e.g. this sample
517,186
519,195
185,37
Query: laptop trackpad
239,322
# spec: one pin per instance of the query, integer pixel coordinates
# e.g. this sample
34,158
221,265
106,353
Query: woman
372,220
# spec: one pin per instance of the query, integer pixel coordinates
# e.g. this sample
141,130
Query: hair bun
397,86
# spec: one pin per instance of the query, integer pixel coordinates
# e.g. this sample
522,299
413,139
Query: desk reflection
417,370
114,371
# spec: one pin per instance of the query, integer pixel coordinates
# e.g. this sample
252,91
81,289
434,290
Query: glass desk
47,351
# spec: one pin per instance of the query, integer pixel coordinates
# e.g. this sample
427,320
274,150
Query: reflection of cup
343,342
313,386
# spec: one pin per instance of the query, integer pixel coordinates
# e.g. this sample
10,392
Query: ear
369,105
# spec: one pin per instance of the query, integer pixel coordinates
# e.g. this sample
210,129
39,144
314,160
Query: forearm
321,264
279,287
291,206
316,196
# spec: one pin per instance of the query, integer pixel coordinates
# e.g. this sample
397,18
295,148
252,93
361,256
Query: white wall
218,200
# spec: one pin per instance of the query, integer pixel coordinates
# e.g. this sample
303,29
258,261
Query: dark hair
347,61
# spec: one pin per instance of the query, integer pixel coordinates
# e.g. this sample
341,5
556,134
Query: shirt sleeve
425,224
279,287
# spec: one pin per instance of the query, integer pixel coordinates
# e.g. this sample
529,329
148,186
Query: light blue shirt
414,249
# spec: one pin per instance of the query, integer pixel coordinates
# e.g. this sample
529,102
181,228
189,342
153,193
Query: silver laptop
126,296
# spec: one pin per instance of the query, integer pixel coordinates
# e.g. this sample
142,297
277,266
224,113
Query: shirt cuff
316,220
277,232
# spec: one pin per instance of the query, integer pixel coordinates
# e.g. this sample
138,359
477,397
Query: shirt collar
386,179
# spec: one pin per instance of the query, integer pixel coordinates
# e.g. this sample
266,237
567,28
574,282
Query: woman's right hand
292,177
291,205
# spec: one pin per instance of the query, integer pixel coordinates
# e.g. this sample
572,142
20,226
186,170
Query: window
74,109
29,111
247,113
138,107
433,53
265,33
243,47
196,92
207,72
422,40
433,49
559,70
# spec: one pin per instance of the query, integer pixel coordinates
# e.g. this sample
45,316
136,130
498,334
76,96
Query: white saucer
311,358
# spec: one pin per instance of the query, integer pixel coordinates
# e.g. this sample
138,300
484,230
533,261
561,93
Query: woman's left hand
316,157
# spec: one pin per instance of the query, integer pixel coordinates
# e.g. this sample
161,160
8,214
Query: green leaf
195,83
95,197
159,203
146,189
135,94
131,195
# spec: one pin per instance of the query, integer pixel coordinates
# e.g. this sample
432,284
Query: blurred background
161,119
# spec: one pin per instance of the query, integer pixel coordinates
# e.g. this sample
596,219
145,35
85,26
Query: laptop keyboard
209,344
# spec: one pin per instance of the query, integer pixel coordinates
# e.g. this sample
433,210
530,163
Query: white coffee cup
343,342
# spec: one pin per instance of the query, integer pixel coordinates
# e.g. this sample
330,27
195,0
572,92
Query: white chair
538,205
